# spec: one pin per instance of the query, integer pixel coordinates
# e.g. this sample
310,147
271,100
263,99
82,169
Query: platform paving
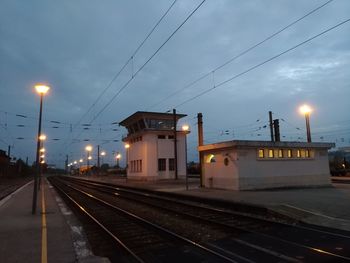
325,206
24,237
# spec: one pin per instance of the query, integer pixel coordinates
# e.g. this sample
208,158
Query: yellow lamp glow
118,156
89,158
88,148
81,160
185,127
42,150
103,153
42,137
305,109
127,146
41,88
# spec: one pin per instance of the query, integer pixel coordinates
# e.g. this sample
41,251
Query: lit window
289,153
280,153
271,153
298,153
210,158
307,153
261,153
302,154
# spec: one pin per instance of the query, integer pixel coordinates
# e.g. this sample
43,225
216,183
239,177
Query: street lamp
41,89
186,129
88,148
118,156
306,110
127,146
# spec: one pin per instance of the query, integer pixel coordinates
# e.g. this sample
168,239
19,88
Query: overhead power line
147,61
126,63
240,54
262,63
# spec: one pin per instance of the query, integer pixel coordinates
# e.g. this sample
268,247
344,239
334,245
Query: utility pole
9,151
276,125
98,159
175,145
66,163
200,143
271,126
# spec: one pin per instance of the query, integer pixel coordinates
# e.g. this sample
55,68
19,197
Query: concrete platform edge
80,243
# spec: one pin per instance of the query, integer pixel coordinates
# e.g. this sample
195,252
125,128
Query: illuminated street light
42,156
75,162
306,110
41,89
127,146
42,137
186,128
42,150
103,153
81,160
88,148
118,156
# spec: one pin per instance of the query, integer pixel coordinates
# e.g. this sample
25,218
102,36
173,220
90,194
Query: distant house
4,163
248,165
151,148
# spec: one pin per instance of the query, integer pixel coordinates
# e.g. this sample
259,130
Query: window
298,153
289,153
161,164
280,153
142,124
307,153
171,137
171,164
161,136
261,153
210,158
271,155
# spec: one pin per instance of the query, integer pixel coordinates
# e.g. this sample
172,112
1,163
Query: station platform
50,235
324,206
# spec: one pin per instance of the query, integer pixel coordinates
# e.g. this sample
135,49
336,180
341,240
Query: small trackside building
250,165
151,152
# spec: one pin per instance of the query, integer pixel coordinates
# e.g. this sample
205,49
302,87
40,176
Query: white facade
150,155
248,165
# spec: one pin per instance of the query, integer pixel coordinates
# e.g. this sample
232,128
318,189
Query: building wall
245,171
149,150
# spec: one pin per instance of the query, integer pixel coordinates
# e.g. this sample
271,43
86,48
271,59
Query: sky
78,47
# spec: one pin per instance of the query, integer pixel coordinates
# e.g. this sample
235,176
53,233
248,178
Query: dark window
171,137
135,127
161,164
171,164
142,124
161,136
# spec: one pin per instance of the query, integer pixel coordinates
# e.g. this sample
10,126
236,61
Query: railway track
234,236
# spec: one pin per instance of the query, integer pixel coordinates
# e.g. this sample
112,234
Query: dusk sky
78,47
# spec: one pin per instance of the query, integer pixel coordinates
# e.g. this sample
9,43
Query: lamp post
41,90
88,148
306,110
42,138
127,146
186,128
118,156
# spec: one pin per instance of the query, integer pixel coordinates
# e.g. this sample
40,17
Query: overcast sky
78,47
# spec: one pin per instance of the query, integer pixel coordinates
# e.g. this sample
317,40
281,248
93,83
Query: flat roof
258,144
148,114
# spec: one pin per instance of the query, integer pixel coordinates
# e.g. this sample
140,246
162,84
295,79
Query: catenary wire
240,54
261,64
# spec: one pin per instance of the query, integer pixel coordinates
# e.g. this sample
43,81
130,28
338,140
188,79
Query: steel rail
310,248
161,229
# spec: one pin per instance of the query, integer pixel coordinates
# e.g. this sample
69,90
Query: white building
248,165
151,152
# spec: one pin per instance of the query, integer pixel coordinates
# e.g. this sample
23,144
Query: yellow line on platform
44,229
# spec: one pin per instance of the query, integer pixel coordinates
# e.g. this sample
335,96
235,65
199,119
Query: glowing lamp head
41,88
81,160
103,153
185,127
75,162
89,157
43,161
42,137
305,109
127,146
118,156
88,148
42,150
